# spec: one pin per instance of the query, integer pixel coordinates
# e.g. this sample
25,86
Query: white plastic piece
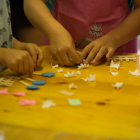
60,70
114,73
118,85
66,93
48,103
72,74
114,65
83,66
91,78
72,86
136,72
55,66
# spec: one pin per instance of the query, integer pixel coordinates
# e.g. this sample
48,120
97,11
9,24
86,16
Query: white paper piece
78,72
136,72
114,73
48,104
91,78
72,74
72,86
114,65
118,85
60,70
55,66
83,66
66,93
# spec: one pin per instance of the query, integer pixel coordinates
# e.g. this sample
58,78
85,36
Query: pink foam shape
19,94
27,102
4,91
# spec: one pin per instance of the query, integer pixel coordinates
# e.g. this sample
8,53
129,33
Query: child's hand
62,45
97,48
17,60
35,52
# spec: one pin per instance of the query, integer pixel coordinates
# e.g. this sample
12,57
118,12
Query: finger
59,59
20,67
110,52
40,55
92,54
66,59
86,51
26,65
31,65
99,56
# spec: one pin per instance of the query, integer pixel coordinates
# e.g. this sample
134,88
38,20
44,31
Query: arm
122,34
60,40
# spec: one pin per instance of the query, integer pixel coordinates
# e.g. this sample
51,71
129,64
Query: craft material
8,81
4,91
2,136
48,103
27,102
29,86
136,72
114,73
114,65
72,74
83,66
66,93
60,70
47,74
91,78
19,94
55,66
118,85
72,86
74,102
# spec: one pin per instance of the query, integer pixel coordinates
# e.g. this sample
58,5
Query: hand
17,60
62,45
35,52
102,46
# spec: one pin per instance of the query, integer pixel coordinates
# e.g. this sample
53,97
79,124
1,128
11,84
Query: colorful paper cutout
4,91
39,82
47,74
74,102
26,102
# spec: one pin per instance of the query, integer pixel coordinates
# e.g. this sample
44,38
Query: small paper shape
114,65
74,102
66,93
4,91
72,74
114,73
32,87
26,102
60,70
47,74
55,66
118,85
79,64
83,66
39,82
48,103
72,86
91,78
78,72
136,72
19,94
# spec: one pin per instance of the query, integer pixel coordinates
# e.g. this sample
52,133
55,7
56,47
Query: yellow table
105,112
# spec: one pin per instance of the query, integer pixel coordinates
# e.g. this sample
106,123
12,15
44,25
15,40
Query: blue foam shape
47,74
32,87
39,82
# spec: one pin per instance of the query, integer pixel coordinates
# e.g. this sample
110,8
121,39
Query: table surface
105,113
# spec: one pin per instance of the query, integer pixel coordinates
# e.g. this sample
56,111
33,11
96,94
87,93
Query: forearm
41,18
16,43
128,29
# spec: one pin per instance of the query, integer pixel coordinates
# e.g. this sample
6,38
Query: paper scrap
72,86
78,72
26,102
19,94
114,73
114,65
136,72
83,66
39,82
47,74
118,85
48,103
4,91
55,66
74,102
91,78
66,93
60,70
72,74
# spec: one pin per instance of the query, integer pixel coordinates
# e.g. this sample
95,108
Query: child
20,57
101,26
